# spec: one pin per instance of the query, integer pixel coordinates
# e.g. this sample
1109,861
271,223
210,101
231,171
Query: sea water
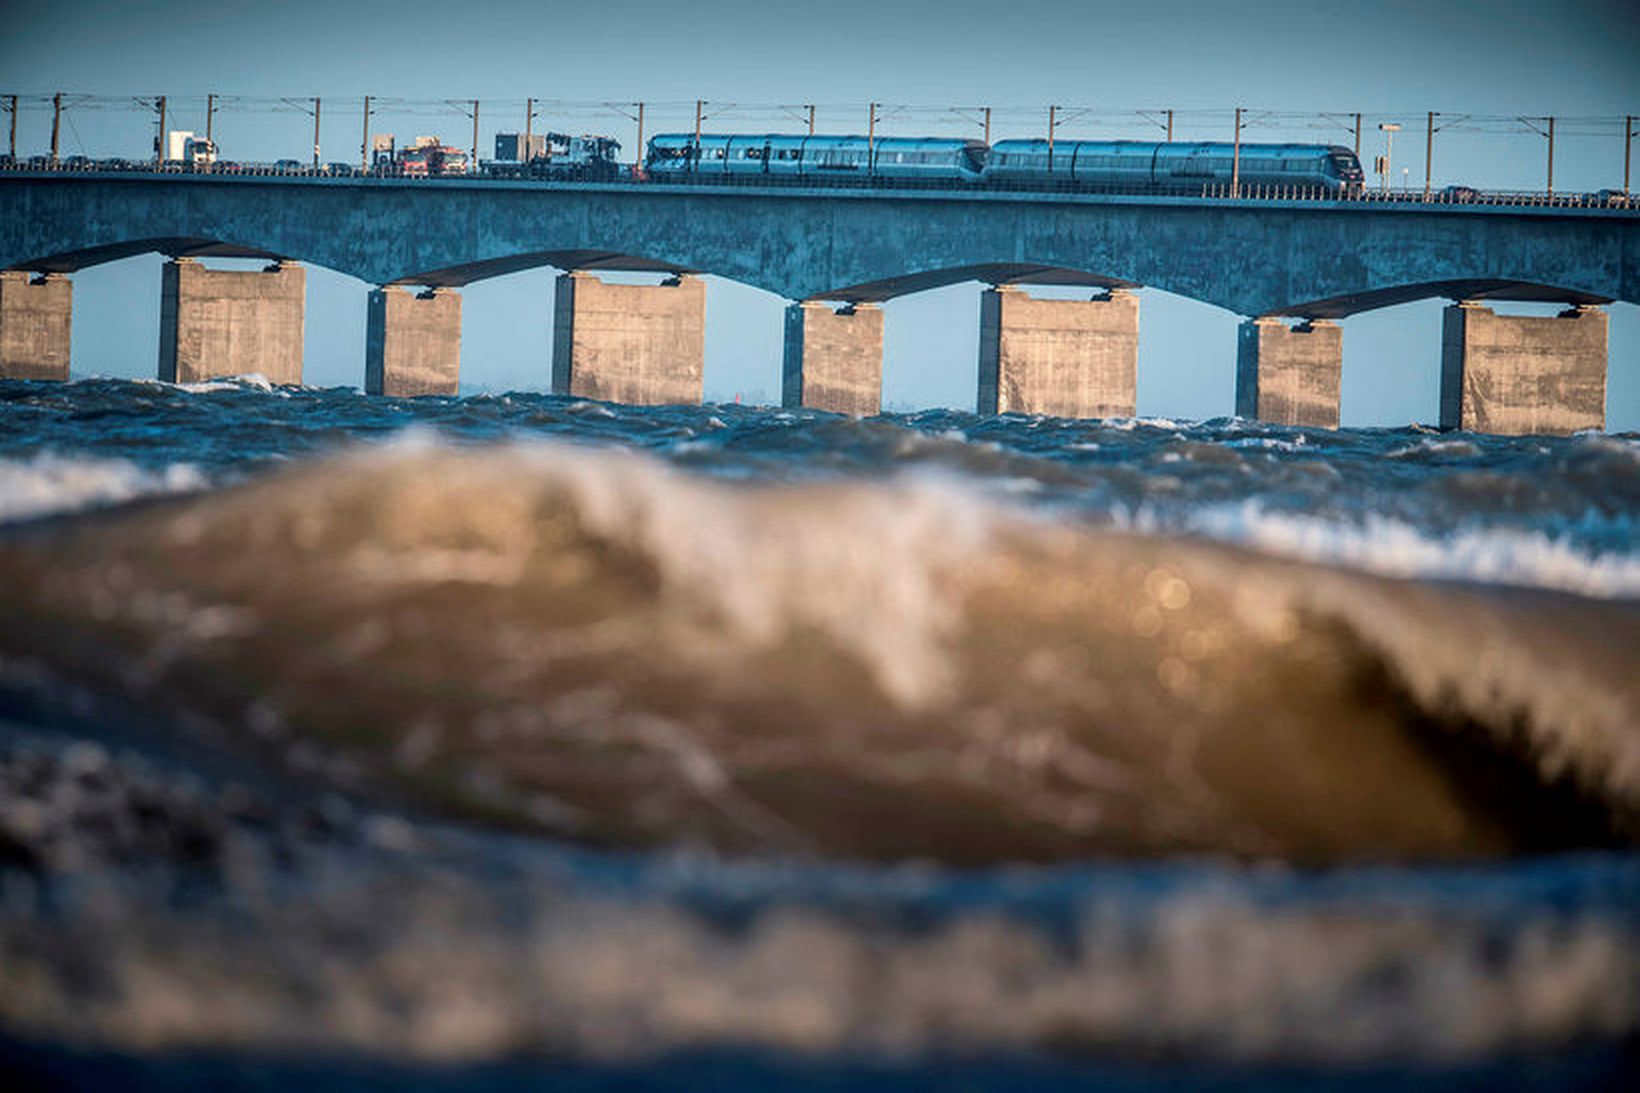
462,742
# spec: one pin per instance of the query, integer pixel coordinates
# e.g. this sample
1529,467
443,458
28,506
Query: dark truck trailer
555,155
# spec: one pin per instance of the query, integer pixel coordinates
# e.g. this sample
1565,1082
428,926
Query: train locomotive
1145,166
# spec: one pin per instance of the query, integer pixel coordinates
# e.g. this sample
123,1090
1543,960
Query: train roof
819,140
1147,147
1027,145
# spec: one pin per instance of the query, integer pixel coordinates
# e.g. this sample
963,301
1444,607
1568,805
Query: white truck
182,146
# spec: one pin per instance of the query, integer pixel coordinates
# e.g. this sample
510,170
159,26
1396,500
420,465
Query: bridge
1293,268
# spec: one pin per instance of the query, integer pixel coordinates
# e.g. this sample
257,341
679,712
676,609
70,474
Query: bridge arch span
569,259
79,258
1475,288
994,273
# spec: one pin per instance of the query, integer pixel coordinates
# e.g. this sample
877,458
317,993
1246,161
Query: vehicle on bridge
428,157
184,148
587,157
1177,167
929,158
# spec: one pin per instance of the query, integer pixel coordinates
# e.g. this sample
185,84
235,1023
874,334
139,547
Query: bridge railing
1215,191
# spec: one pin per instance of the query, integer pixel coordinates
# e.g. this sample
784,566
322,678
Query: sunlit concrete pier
1523,374
412,342
833,358
835,255
227,322
1065,358
35,324
1290,375
639,344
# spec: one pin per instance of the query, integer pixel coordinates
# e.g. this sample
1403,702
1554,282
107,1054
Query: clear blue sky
1393,58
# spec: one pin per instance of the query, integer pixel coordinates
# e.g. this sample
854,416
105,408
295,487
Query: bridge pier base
1523,374
833,359
1289,375
1067,358
215,323
412,343
644,345
35,319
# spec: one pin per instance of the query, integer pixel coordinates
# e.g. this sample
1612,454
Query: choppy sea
478,742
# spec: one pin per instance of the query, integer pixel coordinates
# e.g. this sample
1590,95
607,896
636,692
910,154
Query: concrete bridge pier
1289,375
215,323
35,319
640,344
833,359
1523,374
1068,358
412,342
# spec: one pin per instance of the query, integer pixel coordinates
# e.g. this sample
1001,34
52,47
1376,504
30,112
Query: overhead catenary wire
1071,121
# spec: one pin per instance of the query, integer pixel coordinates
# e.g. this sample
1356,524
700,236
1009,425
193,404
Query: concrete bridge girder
1252,259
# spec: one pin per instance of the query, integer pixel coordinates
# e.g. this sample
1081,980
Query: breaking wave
48,484
1527,558
596,645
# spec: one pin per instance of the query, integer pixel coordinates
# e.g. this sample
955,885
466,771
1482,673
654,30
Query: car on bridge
341,170
288,166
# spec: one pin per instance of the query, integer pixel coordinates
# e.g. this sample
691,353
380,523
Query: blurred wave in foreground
533,729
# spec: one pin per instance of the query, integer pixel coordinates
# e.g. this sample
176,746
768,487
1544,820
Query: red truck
433,160
428,158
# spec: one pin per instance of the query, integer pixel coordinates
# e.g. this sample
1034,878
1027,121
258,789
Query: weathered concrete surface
216,323
412,343
1250,257
1067,358
640,344
1523,374
833,359
35,320
1289,375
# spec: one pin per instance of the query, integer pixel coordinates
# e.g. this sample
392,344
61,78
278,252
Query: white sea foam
1271,443
762,565
1391,547
255,381
1128,424
1435,446
48,483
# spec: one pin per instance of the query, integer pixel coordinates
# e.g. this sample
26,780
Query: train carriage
1142,166
1176,167
820,156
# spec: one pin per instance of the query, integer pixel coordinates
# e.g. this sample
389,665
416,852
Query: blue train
1182,167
